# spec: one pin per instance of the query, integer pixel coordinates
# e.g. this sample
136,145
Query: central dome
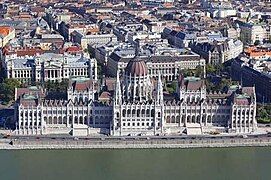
136,67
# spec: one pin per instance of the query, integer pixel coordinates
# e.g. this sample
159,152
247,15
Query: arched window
59,120
148,112
128,113
173,119
137,91
45,120
214,118
133,112
65,120
143,112
168,119
70,119
50,120
124,113
189,119
55,120
75,119
193,119
81,120
90,120
138,113
86,120
152,113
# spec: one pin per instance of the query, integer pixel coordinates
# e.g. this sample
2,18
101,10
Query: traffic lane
128,138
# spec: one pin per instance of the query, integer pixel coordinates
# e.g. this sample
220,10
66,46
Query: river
135,164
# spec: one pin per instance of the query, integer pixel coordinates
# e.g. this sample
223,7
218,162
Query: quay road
129,138
184,141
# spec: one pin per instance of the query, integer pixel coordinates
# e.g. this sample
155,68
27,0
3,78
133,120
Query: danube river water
137,164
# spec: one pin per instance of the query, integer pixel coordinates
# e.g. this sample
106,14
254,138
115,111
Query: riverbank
133,143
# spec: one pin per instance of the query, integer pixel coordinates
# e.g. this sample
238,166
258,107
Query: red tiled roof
23,51
82,86
29,102
73,49
190,85
243,101
5,30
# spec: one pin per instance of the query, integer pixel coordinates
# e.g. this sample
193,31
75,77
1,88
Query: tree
221,86
199,72
219,68
210,69
7,89
57,86
187,72
172,87
264,113
57,90
224,84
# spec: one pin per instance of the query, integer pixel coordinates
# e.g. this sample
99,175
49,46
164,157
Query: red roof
30,51
82,85
73,49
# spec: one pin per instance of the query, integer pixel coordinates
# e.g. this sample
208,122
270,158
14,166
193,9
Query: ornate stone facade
139,106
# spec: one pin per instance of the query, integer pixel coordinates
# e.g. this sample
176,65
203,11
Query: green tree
219,68
264,113
199,71
7,89
187,72
210,69
172,87
224,83
57,86
221,86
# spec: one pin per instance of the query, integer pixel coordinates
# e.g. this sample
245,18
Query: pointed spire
117,95
134,88
159,90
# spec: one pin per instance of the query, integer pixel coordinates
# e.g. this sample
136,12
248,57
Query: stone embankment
126,144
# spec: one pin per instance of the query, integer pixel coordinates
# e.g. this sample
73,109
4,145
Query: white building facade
138,107
49,67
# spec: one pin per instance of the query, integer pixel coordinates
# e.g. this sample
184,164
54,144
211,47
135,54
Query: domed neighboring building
137,84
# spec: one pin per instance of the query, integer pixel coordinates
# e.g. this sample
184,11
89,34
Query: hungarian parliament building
136,105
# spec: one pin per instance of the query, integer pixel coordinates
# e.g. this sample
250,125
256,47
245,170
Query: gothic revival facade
79,114
138,106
